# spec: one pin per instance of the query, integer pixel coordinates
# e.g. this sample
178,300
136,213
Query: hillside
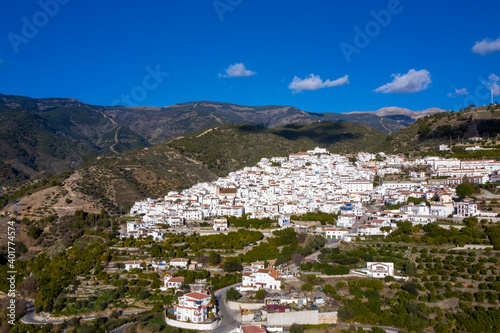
53,135
117,181
50,135
161,124
445,128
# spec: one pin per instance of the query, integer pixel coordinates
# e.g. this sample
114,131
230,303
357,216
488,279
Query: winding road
229,317
29,316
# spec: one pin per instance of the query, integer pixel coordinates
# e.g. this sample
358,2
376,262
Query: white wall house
172,282
359,185
412,209
193,307
336,233
220,224
266,278
179,263
346,221
380,269
369,230
175,221
284,221
466,208
131,265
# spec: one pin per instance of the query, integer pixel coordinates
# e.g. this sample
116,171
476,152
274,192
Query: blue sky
319,56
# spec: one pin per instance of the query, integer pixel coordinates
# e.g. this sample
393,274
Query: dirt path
381,123
207,131
112,147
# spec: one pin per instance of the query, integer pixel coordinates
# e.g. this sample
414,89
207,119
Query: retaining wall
237,306
293,317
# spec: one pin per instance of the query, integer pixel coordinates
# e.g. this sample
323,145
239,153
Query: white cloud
409,83
492,84
486,46
237,70
458,92
314,82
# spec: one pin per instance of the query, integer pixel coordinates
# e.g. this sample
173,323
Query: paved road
330,244
123,327
229,317
29,317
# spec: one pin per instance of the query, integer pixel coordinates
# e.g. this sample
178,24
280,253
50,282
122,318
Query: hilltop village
317,181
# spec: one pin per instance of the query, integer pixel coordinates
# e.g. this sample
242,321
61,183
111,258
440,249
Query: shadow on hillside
253,128
324,133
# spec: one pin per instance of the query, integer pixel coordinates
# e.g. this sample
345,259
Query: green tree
34,231
214,258
410,287
307,287
260,294
296,328
232,266
464,190
156,250
410,268
232,294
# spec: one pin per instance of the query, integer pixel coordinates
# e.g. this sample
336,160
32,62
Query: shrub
232,294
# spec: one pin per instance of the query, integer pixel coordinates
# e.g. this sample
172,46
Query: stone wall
293,317
327,318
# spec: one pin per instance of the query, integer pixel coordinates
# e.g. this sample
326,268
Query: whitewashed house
172,282
284,221
336,233
193,307
380,269
369,230
220,224
131,265
265,278
180,263
346,221
466,208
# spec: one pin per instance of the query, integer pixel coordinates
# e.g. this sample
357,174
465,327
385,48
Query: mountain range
51,135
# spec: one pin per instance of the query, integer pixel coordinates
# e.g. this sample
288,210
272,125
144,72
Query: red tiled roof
197,295
253,329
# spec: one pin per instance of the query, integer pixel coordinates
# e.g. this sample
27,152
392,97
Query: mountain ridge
395,110
51,135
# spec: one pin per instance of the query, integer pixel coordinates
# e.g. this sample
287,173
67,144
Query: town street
229,317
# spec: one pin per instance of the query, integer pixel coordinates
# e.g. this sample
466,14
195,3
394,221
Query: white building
172,282
132,264
380,269
265,278
346,221
466,208
193,307
359,185
336,233
284,221
220,224
369,230
181,263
